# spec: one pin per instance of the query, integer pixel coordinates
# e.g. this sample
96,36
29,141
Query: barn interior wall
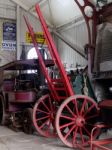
23,29
7,14
7,9
77,35
33,20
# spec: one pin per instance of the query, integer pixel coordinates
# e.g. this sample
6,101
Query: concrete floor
10,140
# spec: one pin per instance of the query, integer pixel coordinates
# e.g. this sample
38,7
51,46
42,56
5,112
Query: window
32,54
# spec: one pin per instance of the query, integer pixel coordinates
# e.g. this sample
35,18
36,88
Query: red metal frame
105,11
91,35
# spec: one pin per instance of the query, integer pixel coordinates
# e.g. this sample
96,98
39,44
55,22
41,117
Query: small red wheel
75,119
44,116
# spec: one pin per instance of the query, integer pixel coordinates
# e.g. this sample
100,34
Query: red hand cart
61,112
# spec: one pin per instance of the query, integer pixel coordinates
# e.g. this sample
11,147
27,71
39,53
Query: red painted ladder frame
55,58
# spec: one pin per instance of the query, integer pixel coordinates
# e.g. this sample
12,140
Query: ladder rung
59,85
57,80
60,89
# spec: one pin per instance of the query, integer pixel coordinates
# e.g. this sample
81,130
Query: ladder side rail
41,61
58,61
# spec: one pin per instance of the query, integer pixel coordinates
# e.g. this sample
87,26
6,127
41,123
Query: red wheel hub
80,121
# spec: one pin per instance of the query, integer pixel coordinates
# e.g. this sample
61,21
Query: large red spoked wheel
75,119
44,116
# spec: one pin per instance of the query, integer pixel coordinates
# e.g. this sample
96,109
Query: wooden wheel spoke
81,134
83,105
45,106
76,106
51,106
48,127
70,111
39,119
91,117
69,132
86,131
66,117
43,124
42,111
90,108
66,125
75,134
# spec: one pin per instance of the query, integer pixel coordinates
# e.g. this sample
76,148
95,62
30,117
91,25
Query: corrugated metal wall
7,14
23,29
78,36
7,9
33,20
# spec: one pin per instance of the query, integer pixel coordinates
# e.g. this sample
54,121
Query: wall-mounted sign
9,45
39,36
9,31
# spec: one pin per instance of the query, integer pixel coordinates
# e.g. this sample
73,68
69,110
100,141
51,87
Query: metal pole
18,52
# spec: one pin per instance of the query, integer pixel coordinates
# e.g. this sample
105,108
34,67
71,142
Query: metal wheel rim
45,126
75,127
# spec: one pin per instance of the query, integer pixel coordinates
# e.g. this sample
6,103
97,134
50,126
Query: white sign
11,46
